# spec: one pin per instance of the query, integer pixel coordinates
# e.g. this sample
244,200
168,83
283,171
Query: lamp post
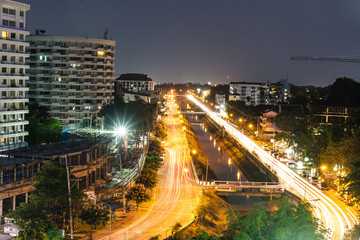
121,131
108,205
70,202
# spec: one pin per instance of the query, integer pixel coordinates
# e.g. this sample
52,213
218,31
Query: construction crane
326,59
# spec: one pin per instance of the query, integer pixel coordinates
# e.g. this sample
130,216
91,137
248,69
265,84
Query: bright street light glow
120,131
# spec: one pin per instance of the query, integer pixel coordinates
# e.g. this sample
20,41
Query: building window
9,23
9,11
21,13
21,36
100,53
21,25
13,35
4,34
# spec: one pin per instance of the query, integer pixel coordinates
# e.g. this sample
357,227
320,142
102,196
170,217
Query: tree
135,115
94,216
51,192
157,237
288,222
42,128
138,194
48,205
175,229
203,235
344,92
353,233
148,178
352,154
34,229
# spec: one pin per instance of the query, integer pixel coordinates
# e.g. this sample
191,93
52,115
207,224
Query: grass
210,215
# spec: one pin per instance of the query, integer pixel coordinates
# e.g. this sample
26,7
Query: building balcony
14,99
4,123
14,53
14,42
19,133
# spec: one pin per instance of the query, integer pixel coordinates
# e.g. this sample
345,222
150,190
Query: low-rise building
250,93
260,93
135,82
89,162
268,126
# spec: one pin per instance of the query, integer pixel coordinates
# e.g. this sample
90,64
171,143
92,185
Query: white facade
13,80
135,82
250,93
73,77
130,97
260,93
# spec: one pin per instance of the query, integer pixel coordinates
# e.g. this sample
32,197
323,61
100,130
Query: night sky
208,40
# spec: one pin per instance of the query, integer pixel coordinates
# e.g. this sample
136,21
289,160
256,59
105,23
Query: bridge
268,189
193,113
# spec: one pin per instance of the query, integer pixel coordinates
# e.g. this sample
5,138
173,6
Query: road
176,195
334,216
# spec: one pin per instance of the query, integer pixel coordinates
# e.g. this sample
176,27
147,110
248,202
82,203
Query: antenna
106,33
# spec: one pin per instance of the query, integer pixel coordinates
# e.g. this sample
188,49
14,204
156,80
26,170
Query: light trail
176,194
334,218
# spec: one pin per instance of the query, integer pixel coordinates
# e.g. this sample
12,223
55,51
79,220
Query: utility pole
207,169
70,204
122,179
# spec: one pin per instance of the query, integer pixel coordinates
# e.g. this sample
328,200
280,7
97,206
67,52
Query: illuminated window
4,34
100,53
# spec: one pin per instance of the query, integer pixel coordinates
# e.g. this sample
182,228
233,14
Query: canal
223,167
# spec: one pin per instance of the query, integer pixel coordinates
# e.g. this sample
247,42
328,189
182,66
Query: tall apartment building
260,93
12,77
72,76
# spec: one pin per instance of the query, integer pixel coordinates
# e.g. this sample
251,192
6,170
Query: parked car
323,185
314,180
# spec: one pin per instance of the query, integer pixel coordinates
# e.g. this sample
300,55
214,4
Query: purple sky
207,40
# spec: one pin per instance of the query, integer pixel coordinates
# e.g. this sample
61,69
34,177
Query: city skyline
194,41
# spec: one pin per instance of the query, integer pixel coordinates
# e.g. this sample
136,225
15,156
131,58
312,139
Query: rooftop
48,151
8,161
16,4
247,83
69,39
134,76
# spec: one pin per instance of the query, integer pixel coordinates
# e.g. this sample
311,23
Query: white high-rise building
72,76
12,77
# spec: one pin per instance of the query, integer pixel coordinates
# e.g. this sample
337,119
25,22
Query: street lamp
121,131
91,197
